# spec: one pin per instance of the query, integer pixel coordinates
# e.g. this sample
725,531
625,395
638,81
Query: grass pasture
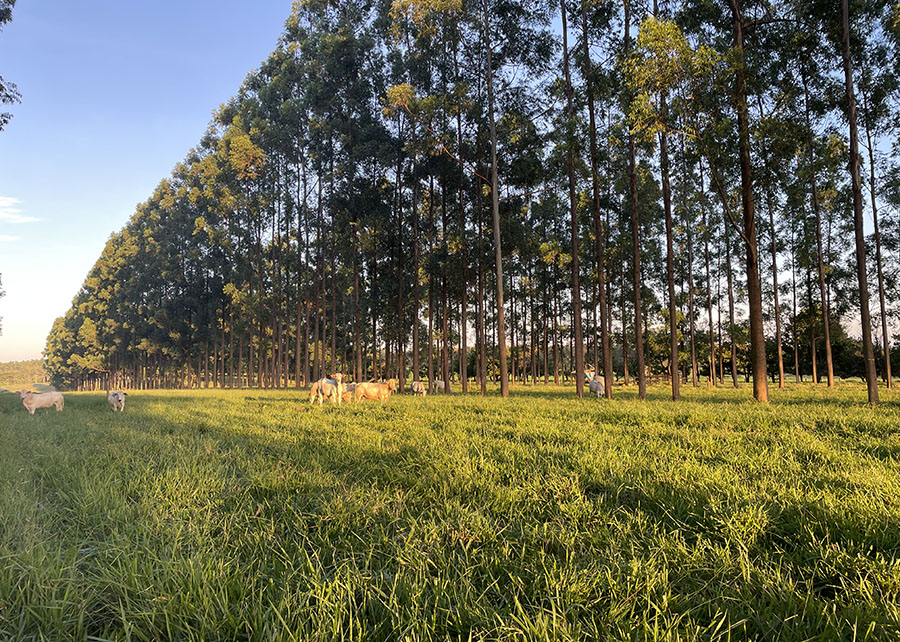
225,515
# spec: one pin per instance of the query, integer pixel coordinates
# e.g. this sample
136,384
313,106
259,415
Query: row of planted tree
521,190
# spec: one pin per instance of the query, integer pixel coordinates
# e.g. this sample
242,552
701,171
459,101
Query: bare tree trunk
573,212
885,337
754,290
670,255
599,236
415,271
731,323
865,320
775,288
635,235
826,317
495,202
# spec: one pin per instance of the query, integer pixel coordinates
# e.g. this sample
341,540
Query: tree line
701,191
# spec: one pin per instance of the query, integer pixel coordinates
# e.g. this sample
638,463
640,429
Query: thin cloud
6,238
10,213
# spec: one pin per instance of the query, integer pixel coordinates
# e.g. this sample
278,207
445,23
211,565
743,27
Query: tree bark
573,212
495,203
865,319
754,291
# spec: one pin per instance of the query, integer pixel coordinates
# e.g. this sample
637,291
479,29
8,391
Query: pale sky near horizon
114,94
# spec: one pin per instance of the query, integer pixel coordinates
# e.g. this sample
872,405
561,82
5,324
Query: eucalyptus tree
573,208
878,87
600,20
856,186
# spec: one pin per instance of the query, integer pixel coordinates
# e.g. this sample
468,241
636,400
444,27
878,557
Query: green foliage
13,373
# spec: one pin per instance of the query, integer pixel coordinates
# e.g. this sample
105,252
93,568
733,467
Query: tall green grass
211,515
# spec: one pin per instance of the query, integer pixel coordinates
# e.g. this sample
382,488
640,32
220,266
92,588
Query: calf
347,397
34,400
116,400
595,385
418,388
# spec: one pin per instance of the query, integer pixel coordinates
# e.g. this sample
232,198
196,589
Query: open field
244,515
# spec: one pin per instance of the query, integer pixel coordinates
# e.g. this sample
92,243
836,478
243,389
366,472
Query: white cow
328,389
442,386
34,400
596,385
116,400
418,388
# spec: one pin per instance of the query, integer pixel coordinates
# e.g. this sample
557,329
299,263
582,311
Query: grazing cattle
116,400
596,385
418,388
327,389
34,400
347,397
441,386
378,391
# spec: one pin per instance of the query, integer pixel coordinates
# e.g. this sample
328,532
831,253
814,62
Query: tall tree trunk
641,375
431,286
731,321
464,258
573,212
795,337
599,235
401,348
885,337
415,271
482,338
820,263
670,253
754,290
495,204
775,288
865,319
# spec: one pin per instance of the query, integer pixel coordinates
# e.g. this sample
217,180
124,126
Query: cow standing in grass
34,400
378,391
327,389
116,400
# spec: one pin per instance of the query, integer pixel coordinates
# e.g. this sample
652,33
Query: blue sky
114,93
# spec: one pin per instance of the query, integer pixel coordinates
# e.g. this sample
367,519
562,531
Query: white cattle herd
329,388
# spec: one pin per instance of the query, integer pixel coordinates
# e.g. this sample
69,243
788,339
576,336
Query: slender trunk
820,263
731,323
401,348
670,254
624,327
754,290
797,378
599,235
885,337
415,271
430,285
495,203
573,212
482,336
865,320
635,235
775,288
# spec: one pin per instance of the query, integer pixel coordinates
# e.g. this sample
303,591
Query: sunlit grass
248,515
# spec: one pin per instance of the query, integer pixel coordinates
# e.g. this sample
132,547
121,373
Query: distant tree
9,95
